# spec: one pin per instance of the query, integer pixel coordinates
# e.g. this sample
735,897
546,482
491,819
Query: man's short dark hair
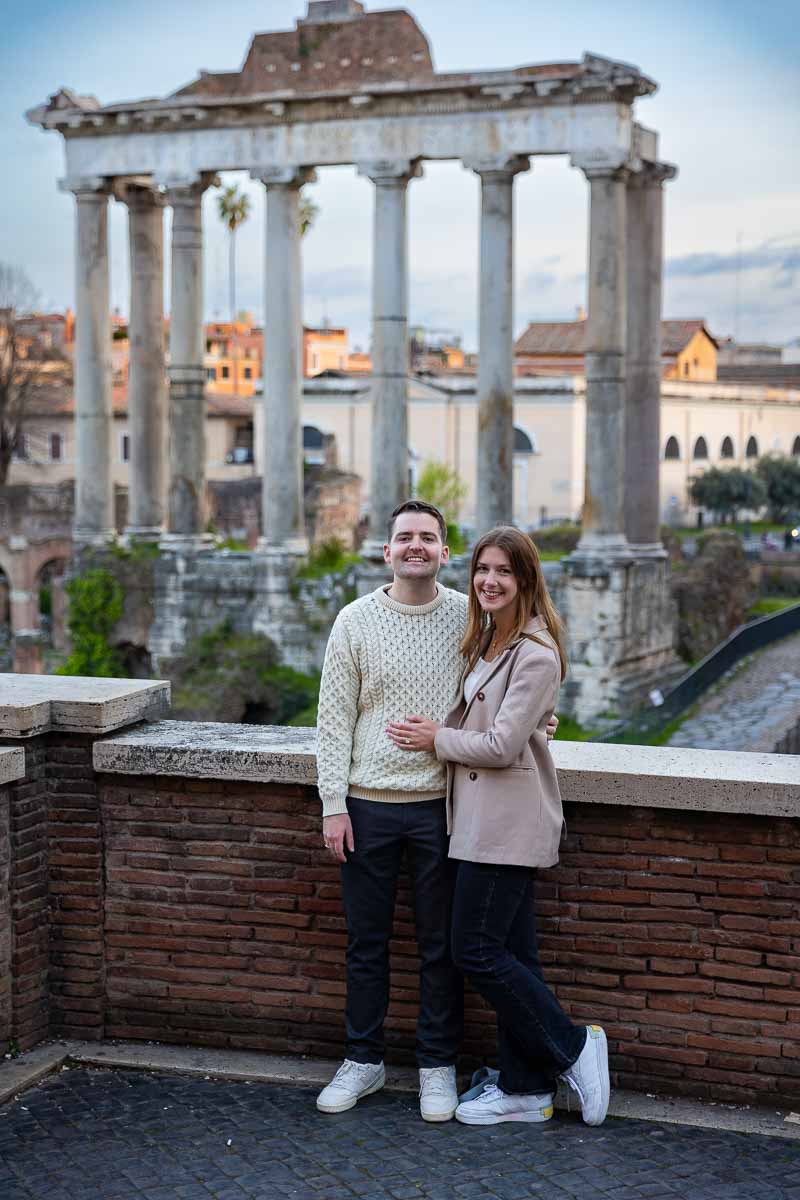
418,506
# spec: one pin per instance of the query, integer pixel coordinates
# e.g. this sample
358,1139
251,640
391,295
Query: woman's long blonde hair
533,598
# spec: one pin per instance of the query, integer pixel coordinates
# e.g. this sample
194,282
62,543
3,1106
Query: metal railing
755,635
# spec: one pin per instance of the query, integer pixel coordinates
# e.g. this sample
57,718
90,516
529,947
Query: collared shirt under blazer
503,802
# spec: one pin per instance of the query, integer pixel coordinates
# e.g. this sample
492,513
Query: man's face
416,550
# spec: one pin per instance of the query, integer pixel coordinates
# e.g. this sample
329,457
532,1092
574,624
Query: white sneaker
494,1105
588,1076
438,1098
350,1084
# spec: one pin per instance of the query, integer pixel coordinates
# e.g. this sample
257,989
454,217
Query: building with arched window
726,450
700,448
751,449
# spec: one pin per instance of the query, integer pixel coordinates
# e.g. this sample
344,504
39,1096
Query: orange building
688,351
234,357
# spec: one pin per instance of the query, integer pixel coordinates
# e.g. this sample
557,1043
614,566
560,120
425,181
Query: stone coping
588,772
35,704
12,764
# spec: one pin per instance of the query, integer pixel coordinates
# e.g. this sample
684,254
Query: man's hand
552,726
337,832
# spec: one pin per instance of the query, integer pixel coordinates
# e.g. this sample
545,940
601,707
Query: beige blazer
503,802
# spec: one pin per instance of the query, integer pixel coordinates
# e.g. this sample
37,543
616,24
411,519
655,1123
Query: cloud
776,254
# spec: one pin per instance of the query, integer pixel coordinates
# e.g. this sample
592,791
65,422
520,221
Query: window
685,369
727,448
124,447
211,374
751,449
248,372
22,450
796,447
226,372
313,444
56,447
523,442
672,448
700,448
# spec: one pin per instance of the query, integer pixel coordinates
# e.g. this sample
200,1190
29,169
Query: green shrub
561,539
95,606
328,558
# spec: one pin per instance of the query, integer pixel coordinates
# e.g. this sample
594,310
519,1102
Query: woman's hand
415,733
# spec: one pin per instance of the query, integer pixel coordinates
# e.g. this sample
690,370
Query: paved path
752,707
124,1135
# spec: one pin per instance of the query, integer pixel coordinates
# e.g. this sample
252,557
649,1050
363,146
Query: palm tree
234,209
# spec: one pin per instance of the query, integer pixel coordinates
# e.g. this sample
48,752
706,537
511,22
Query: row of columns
167,501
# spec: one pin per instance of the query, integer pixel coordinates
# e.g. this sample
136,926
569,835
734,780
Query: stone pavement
86,1134
752,707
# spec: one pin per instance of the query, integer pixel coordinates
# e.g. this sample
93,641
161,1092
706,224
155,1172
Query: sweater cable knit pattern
384,662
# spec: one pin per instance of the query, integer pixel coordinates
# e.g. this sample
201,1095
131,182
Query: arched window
751,449
727,448
796,447
523,442
313,444
700,448
672,448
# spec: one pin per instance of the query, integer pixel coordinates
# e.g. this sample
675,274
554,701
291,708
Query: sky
727,111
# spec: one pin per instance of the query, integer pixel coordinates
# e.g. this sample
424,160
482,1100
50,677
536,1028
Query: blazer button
480,696
473,775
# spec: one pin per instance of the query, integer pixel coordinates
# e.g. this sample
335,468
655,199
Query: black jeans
383,833
494,944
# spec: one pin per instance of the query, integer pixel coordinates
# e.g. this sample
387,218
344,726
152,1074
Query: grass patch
570,731
767,605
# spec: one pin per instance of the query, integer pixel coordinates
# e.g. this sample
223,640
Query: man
392,654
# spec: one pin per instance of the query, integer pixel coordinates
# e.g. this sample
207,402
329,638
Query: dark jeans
494,944
383,833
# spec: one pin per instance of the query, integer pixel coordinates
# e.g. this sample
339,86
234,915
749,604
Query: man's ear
387,554
445,553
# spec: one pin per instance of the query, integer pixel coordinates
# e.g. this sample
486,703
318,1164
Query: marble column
283,513
495,474
147,391
603,507
94,489
186,504
645,256
389,462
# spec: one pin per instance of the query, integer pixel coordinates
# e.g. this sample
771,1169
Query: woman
505,820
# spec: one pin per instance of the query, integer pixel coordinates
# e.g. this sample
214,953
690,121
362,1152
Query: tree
234,209
442,486
22,360
309,211
95,606
781,477
726,492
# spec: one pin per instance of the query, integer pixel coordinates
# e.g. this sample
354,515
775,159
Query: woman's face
494,582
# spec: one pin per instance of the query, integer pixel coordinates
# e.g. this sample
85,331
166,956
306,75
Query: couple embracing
434,716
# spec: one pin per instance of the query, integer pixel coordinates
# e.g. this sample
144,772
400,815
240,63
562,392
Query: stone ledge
12,764
588,772
36,704
212,750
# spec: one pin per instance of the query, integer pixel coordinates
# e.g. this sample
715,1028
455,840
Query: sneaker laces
349,1066
490,1094
435,1081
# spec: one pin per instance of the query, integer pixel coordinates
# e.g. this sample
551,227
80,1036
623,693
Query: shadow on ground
91,1135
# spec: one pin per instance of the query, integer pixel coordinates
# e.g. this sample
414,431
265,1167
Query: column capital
291,176
613,167
185,189
86,187
652,174
138,191
498,166
390,172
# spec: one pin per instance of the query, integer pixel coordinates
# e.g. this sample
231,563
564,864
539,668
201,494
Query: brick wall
75,894
5,921
27,841
678,931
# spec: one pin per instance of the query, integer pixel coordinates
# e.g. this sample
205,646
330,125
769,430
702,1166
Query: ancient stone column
603,509
645,256
94,490
186,504
389,467
283,517
495,475
147,391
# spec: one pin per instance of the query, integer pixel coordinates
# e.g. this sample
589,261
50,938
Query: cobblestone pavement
753,707
91,1135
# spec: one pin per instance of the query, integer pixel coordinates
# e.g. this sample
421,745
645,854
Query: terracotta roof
568,337
57,398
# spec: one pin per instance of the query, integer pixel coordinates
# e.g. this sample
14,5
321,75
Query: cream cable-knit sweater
386,661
